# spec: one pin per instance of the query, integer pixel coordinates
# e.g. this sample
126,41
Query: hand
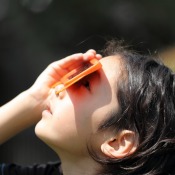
55,71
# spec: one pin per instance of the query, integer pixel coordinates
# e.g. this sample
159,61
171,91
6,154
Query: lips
46,113
48,109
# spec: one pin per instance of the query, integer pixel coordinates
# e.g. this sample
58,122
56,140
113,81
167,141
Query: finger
56,70
91,51
89,54
63,66
92,54
70,60
98,56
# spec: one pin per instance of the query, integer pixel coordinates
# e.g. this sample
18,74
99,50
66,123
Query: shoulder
51,168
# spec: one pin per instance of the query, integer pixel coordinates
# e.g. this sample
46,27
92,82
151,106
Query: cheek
62,133
56,132
55,126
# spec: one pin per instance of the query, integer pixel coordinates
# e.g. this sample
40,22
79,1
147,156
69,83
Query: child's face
73,117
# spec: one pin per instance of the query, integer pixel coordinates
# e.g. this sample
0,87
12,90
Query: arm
25,109
18,114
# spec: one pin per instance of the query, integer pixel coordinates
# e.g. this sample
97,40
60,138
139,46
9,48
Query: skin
25,110
67,122
71,118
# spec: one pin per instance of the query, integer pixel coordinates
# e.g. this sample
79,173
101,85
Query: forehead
112,66
111,72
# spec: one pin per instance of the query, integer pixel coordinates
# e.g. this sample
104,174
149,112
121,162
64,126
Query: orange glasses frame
78,73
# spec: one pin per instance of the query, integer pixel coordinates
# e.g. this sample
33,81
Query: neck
73,165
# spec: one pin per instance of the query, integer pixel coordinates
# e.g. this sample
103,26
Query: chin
40,130
42,133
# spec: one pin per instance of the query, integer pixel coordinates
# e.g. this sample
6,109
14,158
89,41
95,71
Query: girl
118,120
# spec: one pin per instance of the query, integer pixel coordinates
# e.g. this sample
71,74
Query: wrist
35,104
37,96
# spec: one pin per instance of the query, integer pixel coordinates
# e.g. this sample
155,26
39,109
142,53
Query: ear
121,145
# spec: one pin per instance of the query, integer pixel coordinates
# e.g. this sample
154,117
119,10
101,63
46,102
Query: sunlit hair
146,97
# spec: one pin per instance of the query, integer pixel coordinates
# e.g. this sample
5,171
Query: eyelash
86,83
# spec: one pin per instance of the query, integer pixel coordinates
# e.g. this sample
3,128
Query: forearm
17,115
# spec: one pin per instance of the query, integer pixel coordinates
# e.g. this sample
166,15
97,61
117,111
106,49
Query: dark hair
147,106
